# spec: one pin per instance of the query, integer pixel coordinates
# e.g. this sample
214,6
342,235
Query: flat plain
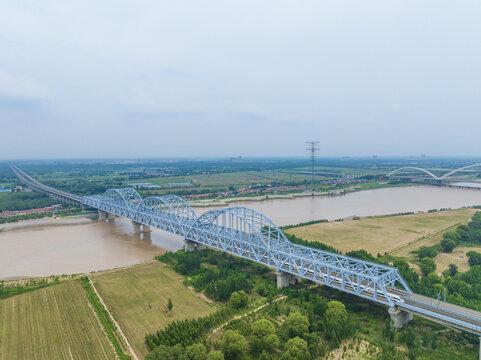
397,235
51,323
137,297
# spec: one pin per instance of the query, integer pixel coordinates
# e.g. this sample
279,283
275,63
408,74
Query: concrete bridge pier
140,228
146,237
284,279
189,245
102,215
400,317
136,227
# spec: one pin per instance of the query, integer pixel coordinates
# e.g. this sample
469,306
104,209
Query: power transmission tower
313,147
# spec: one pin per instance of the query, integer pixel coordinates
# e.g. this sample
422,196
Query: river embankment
42,222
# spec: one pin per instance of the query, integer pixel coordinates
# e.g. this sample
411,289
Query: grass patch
137,298
383,234
457,257
51,323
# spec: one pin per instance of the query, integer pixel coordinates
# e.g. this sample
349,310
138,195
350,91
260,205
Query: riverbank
291,196
50,221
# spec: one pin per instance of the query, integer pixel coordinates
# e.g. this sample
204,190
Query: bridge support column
189,245
400,317
136,227
283,279
146,229
102,215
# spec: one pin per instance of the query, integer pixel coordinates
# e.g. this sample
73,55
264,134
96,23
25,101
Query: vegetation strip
119,329
7,291
105,319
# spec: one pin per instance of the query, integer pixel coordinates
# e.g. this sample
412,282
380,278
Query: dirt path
132,352
216,330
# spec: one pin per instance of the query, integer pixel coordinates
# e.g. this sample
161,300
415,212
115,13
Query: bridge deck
441,312
35,185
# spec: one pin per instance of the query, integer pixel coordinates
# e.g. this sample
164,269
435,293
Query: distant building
174,184
145,186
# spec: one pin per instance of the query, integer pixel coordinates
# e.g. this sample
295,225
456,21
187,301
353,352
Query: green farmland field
397,235
137,298
51,323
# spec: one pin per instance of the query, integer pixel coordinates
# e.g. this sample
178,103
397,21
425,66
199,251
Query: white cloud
21,87
260,77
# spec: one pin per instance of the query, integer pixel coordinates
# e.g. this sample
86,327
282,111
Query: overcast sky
252,78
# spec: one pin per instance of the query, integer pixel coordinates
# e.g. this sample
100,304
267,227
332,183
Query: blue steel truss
251,235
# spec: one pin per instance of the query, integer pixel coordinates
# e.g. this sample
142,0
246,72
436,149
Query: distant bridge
53,193
439,178
249,234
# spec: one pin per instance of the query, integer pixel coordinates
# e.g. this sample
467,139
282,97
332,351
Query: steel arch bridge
247,233
443,177
251,235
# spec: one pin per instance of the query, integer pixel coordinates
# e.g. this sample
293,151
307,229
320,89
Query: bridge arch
123,197
241,220
172,205
460,169
413,168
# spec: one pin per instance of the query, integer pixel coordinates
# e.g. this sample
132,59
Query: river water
363,203
69,249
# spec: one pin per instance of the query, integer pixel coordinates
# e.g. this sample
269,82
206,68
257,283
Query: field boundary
106,320
119,329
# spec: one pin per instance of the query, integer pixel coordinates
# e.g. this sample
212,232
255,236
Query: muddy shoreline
31,223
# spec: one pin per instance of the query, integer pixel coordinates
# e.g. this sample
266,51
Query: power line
313,147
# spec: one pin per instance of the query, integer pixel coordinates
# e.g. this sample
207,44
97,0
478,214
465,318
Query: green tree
336,322
263,336
448,245
427,266
235,300
452,235
244,298
163,352
196,352
296,349
215,355
233,344
453,269
389,330
239,299
170,305
474,258
297,325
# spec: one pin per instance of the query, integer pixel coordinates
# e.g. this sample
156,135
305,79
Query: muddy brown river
70,249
